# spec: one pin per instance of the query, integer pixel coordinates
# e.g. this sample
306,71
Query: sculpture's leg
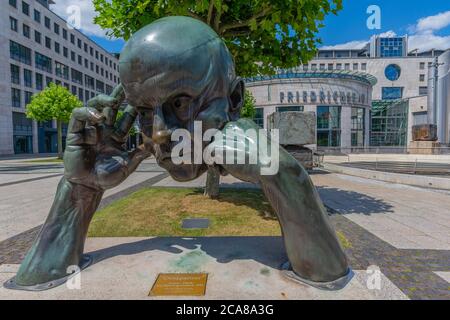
60,242
312,247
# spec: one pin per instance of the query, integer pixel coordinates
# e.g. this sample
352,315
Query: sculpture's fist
244,150
95,155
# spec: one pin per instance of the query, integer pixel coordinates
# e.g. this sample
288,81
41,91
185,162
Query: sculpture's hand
237,144
95,155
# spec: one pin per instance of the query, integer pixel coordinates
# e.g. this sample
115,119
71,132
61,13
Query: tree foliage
262,35
248,109
53,103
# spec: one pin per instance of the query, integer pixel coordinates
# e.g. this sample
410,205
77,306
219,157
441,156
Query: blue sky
346,30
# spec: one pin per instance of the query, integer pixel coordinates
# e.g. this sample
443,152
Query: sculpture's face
176,71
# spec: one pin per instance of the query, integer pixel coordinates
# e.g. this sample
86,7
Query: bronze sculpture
173,72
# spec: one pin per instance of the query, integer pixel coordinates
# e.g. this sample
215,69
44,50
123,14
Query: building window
13,3
80,60
290,108
22,133
96,54
64,32
338,66
314,67
259,117
26,31
74,90
72,38
77,76
15,98
422,66
100,86
15,74
48,80
422,77
355,66
43,62
92,66
364,66
330,66
37,36
48,42
57,47
28,78
72,56
392,72
91,51
25,8
65,52
56,28
37,16
80,94
328,126
47,22
61,70
347,66
13,24
357,131
19,52
391,93
39,81
79,43
423,91
27,97
322,66
89,82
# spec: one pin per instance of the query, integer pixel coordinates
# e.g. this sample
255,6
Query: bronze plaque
180,284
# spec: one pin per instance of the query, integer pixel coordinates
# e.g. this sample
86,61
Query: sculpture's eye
181,107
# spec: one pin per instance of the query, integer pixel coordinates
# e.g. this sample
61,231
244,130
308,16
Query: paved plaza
402,230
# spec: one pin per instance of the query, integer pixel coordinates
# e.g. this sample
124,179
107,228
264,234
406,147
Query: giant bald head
175,71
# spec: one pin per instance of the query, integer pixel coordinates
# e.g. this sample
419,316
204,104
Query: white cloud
433,23
87,14
422,35
347,45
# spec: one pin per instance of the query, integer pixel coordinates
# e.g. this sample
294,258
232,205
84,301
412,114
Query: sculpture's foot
11,284
332,285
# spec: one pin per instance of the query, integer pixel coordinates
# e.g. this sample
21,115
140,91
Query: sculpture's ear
237,92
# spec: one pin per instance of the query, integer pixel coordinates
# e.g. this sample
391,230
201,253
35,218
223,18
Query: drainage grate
195,224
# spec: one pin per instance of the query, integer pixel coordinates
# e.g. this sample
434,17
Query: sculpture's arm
311,243
94,161
60,242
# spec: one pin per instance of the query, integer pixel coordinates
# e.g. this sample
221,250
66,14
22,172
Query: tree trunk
60,145
212,182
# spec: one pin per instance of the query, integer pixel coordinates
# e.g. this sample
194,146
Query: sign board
180,284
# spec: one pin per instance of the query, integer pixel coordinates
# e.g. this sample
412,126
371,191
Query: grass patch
160,211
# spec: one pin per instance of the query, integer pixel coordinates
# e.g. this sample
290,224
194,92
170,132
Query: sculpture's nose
161,134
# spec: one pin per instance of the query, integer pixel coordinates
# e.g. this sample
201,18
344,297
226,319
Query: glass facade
22,133
391,93
389,123
392,47
357,132
328,126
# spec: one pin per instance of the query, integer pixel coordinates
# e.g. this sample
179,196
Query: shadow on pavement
347,202
265,250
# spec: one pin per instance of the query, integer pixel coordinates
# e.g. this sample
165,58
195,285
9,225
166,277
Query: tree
262,35
53,103
248,109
